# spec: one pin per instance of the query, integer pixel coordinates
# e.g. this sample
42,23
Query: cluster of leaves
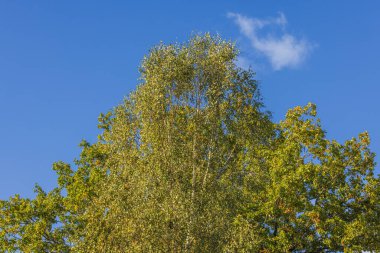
191,162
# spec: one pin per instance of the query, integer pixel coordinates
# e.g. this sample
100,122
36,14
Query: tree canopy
192,162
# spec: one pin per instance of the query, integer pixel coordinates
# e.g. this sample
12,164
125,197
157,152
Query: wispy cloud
282,51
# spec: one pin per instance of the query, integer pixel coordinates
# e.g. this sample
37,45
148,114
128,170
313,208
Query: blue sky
62,63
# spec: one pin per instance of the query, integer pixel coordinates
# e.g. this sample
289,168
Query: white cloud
282,51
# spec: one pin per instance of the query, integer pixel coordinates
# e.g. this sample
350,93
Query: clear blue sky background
64,62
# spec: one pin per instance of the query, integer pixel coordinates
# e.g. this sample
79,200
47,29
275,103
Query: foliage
311,194
191,162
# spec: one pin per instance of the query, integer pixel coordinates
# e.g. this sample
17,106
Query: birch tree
191,162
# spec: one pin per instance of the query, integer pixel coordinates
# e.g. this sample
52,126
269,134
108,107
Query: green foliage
191,162
314,195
